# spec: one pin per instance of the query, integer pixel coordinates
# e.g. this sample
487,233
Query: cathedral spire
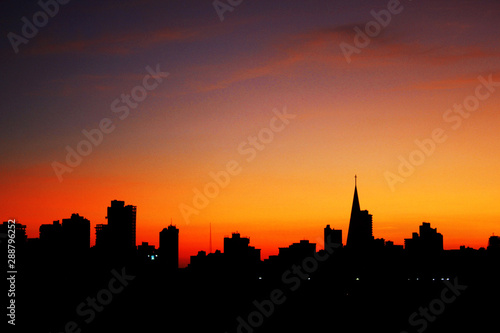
360,233
355,202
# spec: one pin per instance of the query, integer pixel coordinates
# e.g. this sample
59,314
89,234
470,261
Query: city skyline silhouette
298,275
115,235
188,166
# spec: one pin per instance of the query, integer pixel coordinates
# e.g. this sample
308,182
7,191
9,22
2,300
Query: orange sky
225,79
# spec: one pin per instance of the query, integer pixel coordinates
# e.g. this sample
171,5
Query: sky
253,117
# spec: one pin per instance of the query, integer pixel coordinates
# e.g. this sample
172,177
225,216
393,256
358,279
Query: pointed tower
355,201
360,234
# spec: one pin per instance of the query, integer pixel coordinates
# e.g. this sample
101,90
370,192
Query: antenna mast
210,251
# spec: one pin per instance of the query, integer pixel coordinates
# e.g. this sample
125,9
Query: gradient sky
225,79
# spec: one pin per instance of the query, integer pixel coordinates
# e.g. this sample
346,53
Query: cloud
275,58
391,49
114,43
133,40
87,84
456,82
274,66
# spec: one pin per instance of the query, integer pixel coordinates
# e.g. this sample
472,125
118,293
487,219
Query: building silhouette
20,233
102,236
332,236
235,291
494,245
494,242
169,247
297,251
146,252
51,235
76,234
122,223
20,230
237,249
198,260
360,234
429,242
211,261
72,236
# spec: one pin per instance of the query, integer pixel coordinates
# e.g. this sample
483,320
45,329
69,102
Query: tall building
237,248
428,242
102,236
76,233
494,242
19,232
169,247
121,222
332,236
51,235
73,235
297,251
494,245
360,234
146,252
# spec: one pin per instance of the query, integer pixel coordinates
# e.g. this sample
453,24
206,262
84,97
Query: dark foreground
338,292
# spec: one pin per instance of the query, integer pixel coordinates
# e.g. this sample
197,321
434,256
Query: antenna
210,251
355,180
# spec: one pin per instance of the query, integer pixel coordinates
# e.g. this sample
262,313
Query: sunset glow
266,107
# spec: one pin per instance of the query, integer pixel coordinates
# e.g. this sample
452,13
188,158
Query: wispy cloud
275,58
321,46
455,82
114,43
86,84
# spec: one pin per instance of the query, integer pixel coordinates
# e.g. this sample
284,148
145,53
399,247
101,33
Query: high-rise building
169,247
428,242
146,252
19,231
121,222
332,236
51,235
76,233
494,242
73,235
360,234
237,248
297,251
494,245
102,236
